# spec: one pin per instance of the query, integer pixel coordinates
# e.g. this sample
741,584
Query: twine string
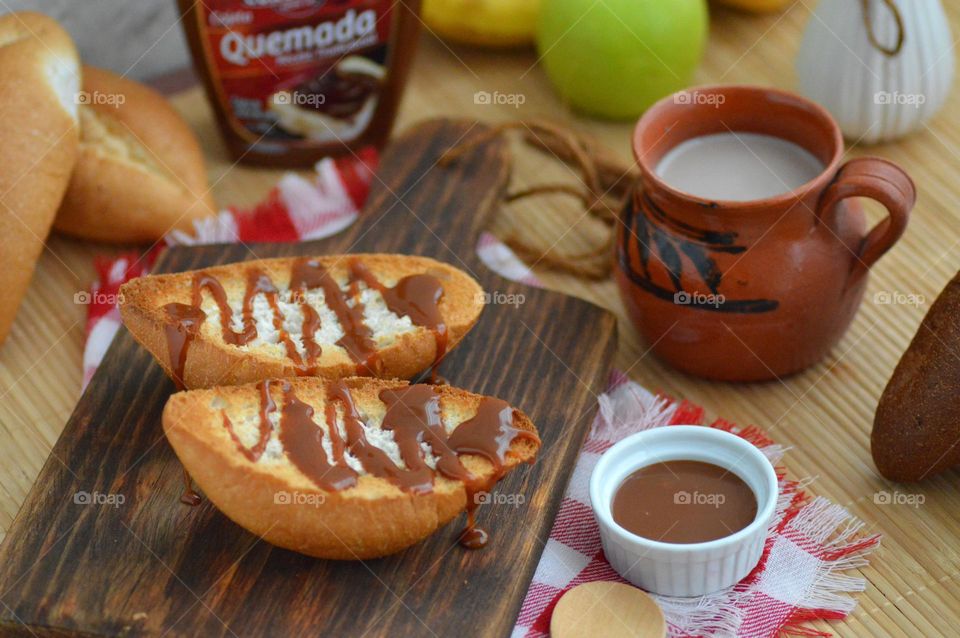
604,180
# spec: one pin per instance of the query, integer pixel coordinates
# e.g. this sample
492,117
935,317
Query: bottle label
305,72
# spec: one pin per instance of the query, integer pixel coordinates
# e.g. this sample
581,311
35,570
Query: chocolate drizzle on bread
357,337
414,296
183,328
267,407
333,316
202,281
373,460
301,439
413,417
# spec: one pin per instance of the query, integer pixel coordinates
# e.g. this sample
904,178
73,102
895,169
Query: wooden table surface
824,414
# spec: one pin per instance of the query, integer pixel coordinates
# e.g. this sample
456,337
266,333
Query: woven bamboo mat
825,414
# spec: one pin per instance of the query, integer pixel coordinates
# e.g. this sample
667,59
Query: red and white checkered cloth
812,543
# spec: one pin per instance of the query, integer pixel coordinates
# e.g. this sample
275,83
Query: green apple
614,58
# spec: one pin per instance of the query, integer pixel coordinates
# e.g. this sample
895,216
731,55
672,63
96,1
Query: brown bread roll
916,431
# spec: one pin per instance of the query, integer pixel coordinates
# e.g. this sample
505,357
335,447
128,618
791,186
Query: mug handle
880,180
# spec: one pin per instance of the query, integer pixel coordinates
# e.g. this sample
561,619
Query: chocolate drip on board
189,496
434,378
488,434
473,537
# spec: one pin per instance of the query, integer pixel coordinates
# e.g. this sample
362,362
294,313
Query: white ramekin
674,569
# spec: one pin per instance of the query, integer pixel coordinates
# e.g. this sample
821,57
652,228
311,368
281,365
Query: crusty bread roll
39,80
253,476
403,345
140,172
917,423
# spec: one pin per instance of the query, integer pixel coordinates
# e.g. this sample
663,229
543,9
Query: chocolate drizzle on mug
186,325
415,296
413,416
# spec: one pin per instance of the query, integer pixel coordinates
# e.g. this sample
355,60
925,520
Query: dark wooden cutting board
151,566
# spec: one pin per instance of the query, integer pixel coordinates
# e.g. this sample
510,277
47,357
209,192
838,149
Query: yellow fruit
493,23
757,6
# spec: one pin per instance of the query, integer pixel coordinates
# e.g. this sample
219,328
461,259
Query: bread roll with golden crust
404,349
140,172
39,80
273,499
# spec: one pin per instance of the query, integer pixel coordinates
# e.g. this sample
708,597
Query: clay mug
760,289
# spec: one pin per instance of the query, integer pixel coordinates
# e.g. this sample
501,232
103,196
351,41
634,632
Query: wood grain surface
135,557
824,414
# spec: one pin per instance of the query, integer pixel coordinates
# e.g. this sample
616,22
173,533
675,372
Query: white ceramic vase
882,89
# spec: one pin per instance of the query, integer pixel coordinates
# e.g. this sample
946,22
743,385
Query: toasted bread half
255,451
286,333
